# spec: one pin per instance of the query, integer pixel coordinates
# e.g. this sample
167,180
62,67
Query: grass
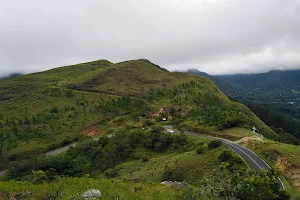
81,87
72,188
191,167
136,179
236,133
76,91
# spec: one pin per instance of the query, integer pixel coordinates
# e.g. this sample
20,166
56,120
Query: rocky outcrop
93,193
176,184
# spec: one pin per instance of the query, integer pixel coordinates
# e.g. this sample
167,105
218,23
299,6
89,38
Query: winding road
50,153
253,160
60,150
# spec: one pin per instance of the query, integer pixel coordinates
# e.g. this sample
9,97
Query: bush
38,176
225,156
200,150
214,144
54,110
103,141
111,173
148,122
157,129
145,159
69,93
171,175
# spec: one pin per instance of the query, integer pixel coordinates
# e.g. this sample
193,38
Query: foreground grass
72,188
189,166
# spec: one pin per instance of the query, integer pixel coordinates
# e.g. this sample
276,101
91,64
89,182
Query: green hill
274,90
41,111
268,96
128,102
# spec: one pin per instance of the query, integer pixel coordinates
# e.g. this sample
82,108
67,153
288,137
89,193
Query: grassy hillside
41,111
267,95
273,90
137,162
123,104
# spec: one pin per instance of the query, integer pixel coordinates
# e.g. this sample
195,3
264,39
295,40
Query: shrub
157,129
214,144
200,150
38,176
54,110
69,93
148,122
225,156
111,173
145,159
171,175
103,141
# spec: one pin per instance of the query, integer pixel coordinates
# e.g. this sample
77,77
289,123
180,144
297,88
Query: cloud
214,36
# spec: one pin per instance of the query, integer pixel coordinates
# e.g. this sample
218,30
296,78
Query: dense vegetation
123,105
98,156
274,90
284,125
229,180
57,106
267,95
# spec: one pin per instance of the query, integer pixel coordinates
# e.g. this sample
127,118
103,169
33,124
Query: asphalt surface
253,160
50,153
60,150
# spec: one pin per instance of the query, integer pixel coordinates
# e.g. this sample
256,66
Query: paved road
54,152
253,160
60,150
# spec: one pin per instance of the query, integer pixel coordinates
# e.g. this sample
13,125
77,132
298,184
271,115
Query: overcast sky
213,36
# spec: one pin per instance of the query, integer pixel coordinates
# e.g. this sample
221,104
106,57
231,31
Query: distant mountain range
279,90
11,75
278,80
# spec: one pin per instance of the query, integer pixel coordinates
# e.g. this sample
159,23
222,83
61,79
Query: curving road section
50,153
60,150
253,160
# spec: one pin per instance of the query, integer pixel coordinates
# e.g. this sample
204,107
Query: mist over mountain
276,79
279,90
11,75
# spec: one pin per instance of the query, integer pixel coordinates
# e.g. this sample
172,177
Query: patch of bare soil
290,170
161,110
246,139
91,131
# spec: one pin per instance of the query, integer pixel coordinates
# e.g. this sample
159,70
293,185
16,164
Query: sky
213,36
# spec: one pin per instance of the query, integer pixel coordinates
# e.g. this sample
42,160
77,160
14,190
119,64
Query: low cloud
214,36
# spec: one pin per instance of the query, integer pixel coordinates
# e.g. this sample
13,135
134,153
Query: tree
200,150
225,155
38,176
214,144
